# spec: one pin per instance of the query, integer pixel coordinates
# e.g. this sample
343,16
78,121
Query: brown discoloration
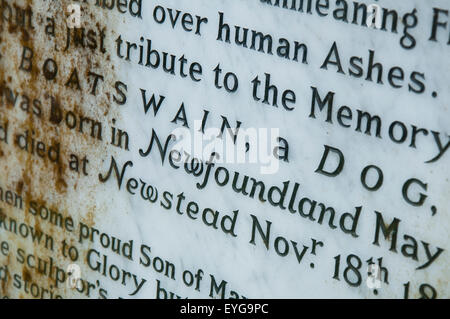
26,275
19,187
5,284
36,179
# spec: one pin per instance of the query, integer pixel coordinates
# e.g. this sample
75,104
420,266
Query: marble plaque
224,149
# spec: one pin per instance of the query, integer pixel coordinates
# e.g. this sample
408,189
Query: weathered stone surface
211,149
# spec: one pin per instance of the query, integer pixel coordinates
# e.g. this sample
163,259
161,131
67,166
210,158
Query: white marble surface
252,270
